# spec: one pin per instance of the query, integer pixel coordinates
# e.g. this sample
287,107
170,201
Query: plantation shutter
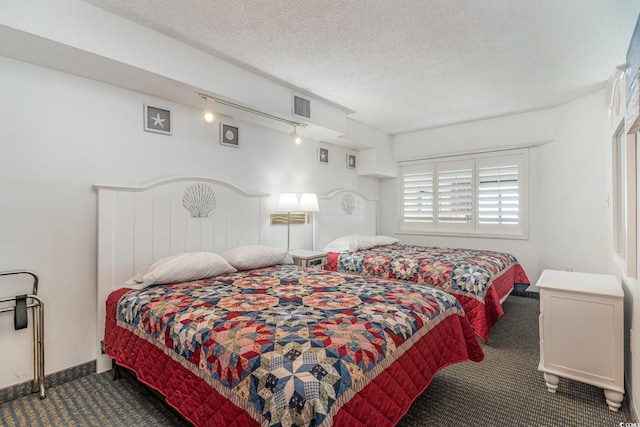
455,194
417,191
468,195
498,195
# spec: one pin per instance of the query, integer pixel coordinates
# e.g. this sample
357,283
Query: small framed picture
229,135
323,155
157,119
351,161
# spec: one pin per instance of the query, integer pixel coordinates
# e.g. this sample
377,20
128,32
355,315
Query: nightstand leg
552,382
614,399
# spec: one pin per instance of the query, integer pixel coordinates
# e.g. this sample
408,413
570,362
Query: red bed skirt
382,402
484,316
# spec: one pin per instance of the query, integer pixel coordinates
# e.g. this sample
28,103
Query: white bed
480,279
271,344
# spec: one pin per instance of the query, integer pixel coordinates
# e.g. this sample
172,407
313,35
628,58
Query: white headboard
343,212
139,224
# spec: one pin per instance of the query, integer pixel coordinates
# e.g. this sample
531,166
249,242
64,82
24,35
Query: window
467,195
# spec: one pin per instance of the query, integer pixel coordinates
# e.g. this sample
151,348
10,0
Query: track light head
208,115
295,137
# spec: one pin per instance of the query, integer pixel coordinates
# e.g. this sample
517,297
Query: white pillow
256,256
384,240
183,267
354,242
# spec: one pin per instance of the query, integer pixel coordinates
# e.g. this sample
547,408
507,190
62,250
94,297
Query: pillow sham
256,256
354,242
183,267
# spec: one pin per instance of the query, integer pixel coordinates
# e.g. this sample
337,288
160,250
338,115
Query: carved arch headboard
343,212
139,224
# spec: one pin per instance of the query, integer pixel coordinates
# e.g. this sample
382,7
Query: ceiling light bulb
208,115
295,137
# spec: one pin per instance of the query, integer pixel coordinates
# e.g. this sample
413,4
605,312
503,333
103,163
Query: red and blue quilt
288,346
479,279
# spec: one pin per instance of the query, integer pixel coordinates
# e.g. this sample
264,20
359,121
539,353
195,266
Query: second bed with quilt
479,279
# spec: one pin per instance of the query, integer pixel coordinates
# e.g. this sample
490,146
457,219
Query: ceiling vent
301,107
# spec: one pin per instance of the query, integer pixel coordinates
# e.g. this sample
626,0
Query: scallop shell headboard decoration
200,200
348,204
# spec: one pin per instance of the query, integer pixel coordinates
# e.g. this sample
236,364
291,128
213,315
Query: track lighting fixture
295,137
208,115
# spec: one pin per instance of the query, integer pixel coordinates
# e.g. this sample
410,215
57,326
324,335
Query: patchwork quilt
478,278
287,346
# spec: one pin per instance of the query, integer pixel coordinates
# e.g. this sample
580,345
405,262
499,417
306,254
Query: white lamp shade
288,202
309,202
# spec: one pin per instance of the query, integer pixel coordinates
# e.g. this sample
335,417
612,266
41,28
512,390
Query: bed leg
116,370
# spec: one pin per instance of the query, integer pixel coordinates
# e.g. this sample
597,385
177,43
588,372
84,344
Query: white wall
573,176
62,134
567,183
518,130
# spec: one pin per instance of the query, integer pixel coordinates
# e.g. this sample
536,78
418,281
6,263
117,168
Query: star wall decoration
157,120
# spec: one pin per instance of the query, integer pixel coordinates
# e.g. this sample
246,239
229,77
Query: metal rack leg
36,334
38,348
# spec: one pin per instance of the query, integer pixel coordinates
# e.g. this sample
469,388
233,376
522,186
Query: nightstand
306,258
581,331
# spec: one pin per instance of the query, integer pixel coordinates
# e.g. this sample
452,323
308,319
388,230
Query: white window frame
624,198
472,227
620,193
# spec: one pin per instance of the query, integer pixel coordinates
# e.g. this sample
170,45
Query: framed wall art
229,135
351,161
157,119
323,155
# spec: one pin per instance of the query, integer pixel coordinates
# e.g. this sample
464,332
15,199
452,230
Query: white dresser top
603,284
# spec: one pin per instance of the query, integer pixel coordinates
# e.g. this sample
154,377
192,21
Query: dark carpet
505,389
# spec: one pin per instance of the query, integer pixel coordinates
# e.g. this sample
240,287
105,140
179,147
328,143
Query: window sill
466,235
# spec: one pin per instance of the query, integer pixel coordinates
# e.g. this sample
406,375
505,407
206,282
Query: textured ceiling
402,66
